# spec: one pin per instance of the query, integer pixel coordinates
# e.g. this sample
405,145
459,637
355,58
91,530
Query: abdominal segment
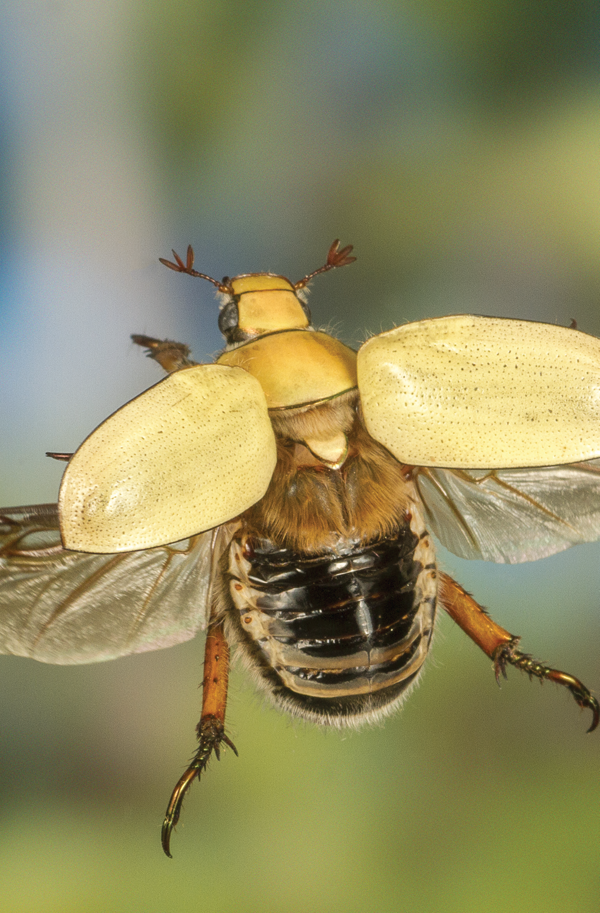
336,637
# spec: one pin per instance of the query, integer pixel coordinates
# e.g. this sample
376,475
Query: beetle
285,498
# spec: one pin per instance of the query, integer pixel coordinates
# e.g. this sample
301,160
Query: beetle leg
501,646
172,356
210,729
508,654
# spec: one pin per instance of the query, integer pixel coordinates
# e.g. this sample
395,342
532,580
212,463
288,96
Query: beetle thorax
261,303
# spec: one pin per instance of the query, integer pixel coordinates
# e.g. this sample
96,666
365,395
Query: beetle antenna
180,267
335,258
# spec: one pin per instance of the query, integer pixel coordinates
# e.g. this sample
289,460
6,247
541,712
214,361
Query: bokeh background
456,144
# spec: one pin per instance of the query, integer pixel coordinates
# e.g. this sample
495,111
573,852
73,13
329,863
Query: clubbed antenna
335,258
180,267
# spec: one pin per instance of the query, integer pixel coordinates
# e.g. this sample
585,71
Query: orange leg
210,729
501,646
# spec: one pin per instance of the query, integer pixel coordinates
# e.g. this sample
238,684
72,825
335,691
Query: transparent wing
66,607
512,515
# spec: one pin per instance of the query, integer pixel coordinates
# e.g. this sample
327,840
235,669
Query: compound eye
228,319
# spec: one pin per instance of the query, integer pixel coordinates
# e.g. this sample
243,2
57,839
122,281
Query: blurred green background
456,144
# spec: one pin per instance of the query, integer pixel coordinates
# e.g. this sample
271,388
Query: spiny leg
501,646
172,356
210,729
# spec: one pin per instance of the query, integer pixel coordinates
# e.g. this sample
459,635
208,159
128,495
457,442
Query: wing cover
66,607
482,392
189,454
512,515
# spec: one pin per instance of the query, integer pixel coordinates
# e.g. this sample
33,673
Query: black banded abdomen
338,636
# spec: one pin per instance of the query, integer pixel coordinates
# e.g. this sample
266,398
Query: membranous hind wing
512,515
68,607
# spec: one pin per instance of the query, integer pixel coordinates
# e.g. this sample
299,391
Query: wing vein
64,604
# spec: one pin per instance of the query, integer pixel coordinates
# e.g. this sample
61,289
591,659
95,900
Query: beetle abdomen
337,637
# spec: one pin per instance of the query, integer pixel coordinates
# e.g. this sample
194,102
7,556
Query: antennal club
335,259
180,267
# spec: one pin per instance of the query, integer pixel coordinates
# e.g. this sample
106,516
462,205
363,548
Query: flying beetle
285,498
